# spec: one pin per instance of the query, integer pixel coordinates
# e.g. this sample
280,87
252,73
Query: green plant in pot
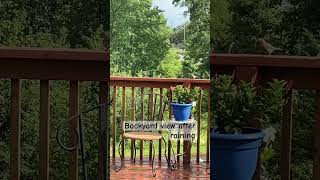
183,98
234,107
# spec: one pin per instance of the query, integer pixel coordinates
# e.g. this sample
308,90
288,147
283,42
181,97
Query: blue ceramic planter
181,112
234,156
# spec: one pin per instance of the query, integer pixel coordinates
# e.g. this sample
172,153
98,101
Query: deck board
142,171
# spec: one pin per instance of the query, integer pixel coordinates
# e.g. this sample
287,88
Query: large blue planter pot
234,156
181,112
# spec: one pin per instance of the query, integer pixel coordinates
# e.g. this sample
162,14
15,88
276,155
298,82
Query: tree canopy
197,38
140,37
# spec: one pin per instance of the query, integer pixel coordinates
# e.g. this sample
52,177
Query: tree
253,19
197,38
178,36
171,66
46,23
140,37
220,18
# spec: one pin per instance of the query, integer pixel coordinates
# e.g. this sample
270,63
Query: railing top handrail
53,54
258,60
156,79
54,64
156,82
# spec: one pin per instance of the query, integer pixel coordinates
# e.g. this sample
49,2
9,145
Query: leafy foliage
197,38
171,66
220,18
234,106
184,95
257,19
140,37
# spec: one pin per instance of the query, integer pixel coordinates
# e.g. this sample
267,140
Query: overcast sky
173,14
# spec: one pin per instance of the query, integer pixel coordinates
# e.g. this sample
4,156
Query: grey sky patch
175,15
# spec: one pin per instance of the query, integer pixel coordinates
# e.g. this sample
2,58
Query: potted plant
183,98
235,145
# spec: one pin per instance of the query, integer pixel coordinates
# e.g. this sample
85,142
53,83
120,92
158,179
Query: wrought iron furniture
155,113
80,135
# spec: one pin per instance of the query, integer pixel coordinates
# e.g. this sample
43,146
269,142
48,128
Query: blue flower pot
234,156
181,112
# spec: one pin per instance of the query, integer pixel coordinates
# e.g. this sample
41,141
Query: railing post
133,115
103,132
114,117
160,117
73,124
142,119
123,118
286,139
199,125
316,140
44,129
15,129
170,117
151,118
208,128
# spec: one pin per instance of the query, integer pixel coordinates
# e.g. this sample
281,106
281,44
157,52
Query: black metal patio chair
154,113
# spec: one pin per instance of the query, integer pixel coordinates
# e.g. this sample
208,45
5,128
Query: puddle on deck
139,171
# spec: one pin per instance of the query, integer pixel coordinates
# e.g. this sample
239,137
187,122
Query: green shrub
234,106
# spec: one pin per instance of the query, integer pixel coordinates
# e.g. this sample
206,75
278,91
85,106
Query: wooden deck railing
303,72
46,65
140,85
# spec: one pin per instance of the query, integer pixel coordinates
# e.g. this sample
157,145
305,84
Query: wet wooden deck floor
142,171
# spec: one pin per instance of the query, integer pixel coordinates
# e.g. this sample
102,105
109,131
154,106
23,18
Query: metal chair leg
82,149
165,151
115,167
173,166
153,171
135,151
